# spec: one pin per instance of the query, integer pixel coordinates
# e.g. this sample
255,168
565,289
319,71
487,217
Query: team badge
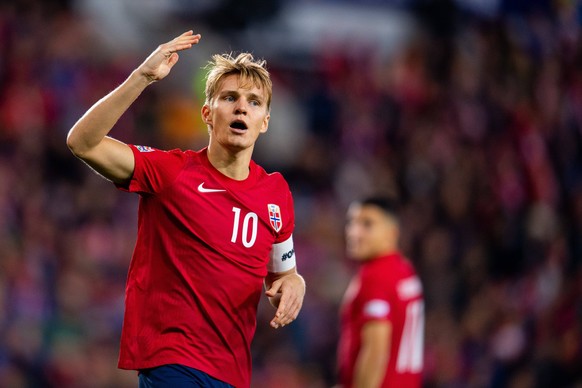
141,148
275,216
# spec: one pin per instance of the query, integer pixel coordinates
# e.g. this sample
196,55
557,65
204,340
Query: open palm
160,62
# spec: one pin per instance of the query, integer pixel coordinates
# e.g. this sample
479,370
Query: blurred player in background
382,313
213,227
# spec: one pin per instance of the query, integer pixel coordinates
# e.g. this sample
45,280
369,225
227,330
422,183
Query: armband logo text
288,255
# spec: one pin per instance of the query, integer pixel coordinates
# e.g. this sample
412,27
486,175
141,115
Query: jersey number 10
250,221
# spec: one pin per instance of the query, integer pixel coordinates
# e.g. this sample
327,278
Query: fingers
173,59
287,312
182,42
188,37
160,62
271,292
187,40
289,304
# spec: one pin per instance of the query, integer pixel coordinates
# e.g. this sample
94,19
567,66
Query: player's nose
241,106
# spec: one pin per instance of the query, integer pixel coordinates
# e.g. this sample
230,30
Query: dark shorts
177,376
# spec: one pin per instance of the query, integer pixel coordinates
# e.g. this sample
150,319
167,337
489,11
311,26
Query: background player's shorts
177,376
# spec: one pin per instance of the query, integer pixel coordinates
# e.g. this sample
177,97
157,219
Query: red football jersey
385,288
196,274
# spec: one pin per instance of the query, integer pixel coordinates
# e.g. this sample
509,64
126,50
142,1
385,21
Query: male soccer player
382,313
213,227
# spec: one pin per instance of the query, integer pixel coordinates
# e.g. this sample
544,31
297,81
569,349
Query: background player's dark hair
388,205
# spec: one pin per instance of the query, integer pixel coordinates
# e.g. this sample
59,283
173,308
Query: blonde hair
251,71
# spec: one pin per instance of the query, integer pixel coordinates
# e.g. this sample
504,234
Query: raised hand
160,62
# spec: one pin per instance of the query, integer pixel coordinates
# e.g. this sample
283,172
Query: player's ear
265,124
206,114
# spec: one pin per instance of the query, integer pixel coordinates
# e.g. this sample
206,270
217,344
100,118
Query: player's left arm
372,360
285,291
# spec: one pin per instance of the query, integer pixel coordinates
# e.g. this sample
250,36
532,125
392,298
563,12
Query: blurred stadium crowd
474,122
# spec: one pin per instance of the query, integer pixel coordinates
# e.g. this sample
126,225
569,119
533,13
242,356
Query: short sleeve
376,297
289,220
154,169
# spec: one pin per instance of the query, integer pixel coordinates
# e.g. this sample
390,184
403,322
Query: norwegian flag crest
275,216
141,148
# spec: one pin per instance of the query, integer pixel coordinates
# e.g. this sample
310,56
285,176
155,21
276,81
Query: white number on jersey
410,350
251,220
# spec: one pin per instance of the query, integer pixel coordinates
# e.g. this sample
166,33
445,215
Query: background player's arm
374,354
285,291
88,138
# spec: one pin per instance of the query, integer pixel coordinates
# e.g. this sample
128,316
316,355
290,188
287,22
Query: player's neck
233,164
384,253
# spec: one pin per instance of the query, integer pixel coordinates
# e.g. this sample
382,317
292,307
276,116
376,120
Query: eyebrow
254,96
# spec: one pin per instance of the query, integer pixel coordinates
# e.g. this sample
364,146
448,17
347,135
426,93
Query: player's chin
357,254
241,143
352,254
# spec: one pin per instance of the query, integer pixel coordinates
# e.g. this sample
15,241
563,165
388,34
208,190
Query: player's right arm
88,138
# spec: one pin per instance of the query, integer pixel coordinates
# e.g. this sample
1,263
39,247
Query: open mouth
238,124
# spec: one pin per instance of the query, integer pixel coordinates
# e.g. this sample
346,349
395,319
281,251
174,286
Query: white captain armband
282,257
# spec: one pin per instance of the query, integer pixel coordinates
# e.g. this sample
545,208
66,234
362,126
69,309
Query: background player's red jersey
197,271
385,288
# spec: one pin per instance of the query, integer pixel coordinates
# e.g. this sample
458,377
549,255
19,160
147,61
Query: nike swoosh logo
203,189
